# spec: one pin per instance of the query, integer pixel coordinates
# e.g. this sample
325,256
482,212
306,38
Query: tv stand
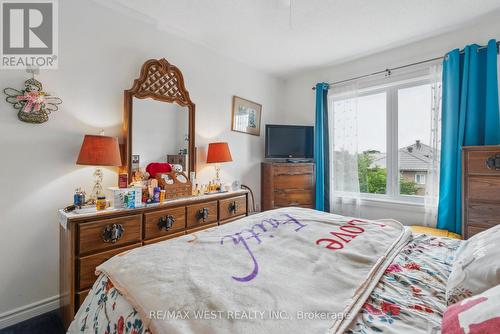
298,161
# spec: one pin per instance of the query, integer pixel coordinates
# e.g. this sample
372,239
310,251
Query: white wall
299,98
101,52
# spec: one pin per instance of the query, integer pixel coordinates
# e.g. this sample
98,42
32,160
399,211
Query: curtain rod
389,70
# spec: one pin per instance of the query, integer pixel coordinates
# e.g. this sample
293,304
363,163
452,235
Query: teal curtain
321,153
470,116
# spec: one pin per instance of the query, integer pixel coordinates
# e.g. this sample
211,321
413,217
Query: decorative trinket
33,103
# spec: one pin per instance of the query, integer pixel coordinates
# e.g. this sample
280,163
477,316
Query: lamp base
97,189
217,173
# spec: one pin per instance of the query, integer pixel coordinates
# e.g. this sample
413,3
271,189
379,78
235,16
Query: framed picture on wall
246,116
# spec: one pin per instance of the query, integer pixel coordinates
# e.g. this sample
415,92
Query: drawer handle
233,207
493,162
166,222
203,214
113,233
293,203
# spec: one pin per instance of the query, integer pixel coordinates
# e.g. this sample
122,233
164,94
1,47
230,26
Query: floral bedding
409,298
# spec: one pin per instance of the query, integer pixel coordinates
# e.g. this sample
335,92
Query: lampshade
99,151
218,152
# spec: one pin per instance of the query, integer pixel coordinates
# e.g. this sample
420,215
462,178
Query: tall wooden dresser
87,240
287,184
480,189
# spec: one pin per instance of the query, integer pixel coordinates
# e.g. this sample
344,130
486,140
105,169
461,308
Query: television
291,142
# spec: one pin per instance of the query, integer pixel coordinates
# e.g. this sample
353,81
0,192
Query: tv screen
289,141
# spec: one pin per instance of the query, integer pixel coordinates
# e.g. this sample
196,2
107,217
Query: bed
289,270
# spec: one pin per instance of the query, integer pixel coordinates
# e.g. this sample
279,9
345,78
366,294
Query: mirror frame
161,81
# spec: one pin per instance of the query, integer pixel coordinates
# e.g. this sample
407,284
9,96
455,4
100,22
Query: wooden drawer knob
166,222
233,207
112,233
203,214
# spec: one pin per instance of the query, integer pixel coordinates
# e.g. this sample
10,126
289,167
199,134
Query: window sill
390,203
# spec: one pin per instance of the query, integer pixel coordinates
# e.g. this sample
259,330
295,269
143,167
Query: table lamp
217,153
99,151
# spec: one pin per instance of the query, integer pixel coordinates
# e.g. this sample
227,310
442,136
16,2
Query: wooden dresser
480,189
287,184
88,240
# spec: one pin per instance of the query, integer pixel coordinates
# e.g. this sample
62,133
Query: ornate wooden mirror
159,119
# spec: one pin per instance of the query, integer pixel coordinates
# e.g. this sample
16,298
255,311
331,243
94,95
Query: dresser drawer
165,237
123,230
199,214
484,188
200,228
303,181
476,162
307,206
293,169
232,207
87,265
483,214
473,230
80,297
156,224
291,197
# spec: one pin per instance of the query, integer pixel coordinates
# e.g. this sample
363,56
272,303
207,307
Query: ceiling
266,35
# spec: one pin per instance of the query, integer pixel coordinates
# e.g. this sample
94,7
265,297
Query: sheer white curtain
343,116
431,197
345,196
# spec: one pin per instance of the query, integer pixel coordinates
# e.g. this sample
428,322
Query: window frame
422,176
392,135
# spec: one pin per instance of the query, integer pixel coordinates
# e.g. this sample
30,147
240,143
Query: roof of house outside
415,157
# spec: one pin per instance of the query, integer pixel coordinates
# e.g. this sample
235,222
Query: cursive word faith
255,232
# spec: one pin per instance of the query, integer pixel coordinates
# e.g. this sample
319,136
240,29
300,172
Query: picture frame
246,116
135,162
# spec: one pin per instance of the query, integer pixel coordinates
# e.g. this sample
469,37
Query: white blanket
283,271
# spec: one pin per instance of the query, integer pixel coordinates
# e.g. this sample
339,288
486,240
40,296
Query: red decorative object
99,151
158,167
218,152
122,180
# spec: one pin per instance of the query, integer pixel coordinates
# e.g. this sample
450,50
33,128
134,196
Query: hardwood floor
48,323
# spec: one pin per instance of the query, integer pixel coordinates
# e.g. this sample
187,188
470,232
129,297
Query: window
420,178
392,126
414,135
372,143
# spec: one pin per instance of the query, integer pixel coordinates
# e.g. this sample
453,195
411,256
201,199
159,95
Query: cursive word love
256,232
350,230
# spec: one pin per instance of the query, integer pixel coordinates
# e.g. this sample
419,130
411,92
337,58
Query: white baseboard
29,311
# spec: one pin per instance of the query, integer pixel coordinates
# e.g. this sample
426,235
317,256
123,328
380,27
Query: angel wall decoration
33,103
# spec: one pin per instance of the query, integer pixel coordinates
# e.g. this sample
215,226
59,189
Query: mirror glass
160,133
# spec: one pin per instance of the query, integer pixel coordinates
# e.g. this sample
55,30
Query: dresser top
481,148
283,163
67,217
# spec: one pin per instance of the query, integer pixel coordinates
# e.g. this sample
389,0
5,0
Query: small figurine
177,168
141,175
